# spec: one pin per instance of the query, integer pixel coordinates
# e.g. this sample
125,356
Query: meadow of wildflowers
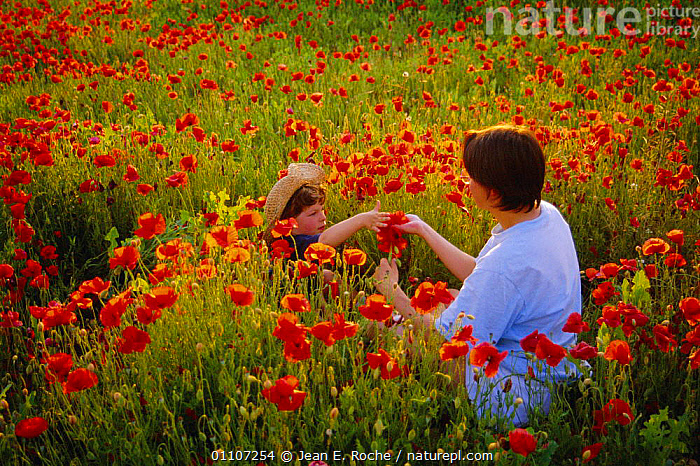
144,321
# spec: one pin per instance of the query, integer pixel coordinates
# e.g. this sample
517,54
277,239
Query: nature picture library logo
547,19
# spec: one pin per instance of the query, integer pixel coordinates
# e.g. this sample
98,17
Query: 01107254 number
242,455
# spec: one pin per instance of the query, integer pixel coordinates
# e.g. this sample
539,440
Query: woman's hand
386,277
415,226
374,219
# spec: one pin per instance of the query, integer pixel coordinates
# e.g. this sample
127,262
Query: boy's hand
374,219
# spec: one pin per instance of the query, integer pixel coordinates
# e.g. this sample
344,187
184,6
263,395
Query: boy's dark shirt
299,243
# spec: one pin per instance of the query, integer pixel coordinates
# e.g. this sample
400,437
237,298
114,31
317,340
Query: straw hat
298,174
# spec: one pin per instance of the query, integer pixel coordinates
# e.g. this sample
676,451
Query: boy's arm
457,261
373,220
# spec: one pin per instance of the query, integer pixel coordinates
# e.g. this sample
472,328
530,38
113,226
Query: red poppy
676,236
143,189
147,315
284,227
281,249
529,343
486,353
299,350
229,146
603,293
188,119
546,349
288,329
78,380
240,295
296,303
617,410
465,335
111,313
354,257
655,246
32,427
133,340
160,298
221,236
650,270
583,351
691,310
575,324
237,254
208,84
390,238
664,339
248,219
590,452
150,225
6,271
305,269
618,350
428,297
329,332
89,186
376,308
389,366
126,256
58,367
522,442
610,270
284,394
320,252
188,163
393,185
675,260
95,286
694,359
177,179
453,349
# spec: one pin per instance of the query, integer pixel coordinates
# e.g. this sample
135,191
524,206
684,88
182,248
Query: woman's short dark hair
510,160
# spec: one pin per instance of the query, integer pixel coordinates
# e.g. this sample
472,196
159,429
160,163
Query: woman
526,277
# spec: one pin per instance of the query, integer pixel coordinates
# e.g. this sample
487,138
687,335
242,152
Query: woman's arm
457,261
338,233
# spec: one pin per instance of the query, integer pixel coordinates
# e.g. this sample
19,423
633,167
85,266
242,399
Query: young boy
526,277
300,195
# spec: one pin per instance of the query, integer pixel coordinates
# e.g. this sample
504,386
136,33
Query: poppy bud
40,327
518,401
4,404
586,455
117,396
334,392
334,413
91,367
72,420
267,384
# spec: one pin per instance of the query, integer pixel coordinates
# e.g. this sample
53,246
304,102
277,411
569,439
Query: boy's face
311,221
